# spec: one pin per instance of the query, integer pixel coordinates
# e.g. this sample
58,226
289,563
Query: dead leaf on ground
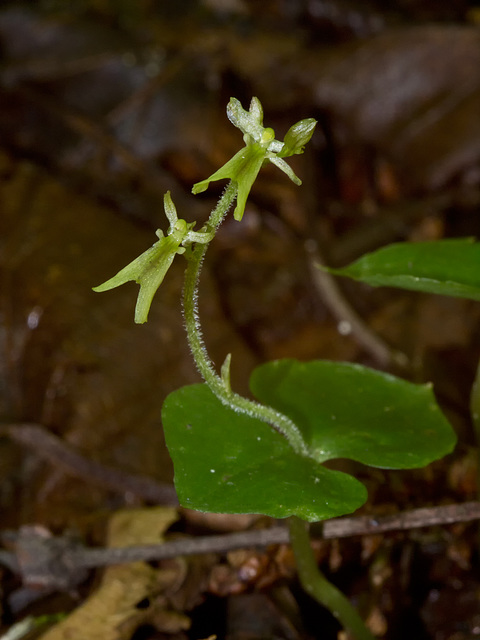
124,599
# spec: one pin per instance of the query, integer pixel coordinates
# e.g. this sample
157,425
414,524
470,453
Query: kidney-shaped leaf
349,411
446,267
230,463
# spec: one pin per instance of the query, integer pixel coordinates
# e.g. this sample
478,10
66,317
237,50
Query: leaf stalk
318,587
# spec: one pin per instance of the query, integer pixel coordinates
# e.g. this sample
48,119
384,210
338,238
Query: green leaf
349,411
230,463
446,267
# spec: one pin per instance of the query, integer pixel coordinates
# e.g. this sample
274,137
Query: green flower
261,147
149,269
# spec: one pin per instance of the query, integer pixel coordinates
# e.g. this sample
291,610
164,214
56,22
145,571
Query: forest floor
105,106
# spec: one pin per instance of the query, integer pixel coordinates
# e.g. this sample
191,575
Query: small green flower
261,147
149,269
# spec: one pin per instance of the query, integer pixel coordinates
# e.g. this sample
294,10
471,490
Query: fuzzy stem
318,587
238,403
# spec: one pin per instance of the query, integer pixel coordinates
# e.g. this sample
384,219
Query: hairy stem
238,403
318,587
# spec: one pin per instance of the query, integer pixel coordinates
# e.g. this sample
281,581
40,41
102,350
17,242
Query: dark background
106,104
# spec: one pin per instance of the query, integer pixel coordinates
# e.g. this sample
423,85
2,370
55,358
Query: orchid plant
233,454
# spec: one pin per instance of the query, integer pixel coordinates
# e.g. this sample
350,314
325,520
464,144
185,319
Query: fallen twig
49,447
339,528
405,520
348,319
55,561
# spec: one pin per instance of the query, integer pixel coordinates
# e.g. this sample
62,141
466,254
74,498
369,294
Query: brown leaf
113,611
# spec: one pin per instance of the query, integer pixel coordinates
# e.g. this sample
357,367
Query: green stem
318,587
238,403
